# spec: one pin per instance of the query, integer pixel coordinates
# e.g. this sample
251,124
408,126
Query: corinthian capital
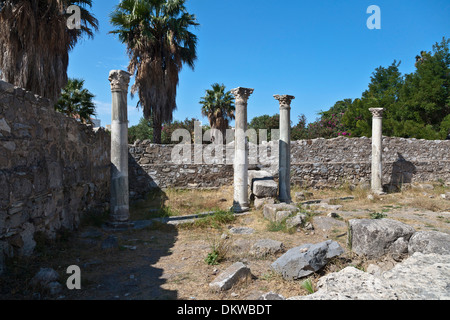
119,80
285,100
241,94
377,112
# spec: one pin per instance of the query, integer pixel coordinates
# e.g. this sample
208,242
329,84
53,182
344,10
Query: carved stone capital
285,100
377,112
241,94
119,80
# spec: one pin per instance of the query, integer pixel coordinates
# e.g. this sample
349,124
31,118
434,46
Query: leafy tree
300,130
425,96
416,105
35,43
141,131
169,128
76,101
218,106
383,92
158,40
265,122
445,128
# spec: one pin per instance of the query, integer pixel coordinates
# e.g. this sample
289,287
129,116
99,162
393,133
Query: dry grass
180,202
426,199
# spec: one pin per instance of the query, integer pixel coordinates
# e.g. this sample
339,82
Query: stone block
271,296
241,230
257,175
296,221
261,202
265,188
429,242
265,247
375,237
270,210
231,276
280,216
302,261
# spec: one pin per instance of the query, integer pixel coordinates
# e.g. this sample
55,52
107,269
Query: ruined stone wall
52,170
332,162
151,166
318,162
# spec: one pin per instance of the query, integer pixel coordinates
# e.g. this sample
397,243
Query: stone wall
52,170
318,162
332,162
151,166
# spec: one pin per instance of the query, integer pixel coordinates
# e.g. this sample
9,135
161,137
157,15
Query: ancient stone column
241,201
284,171
119,148
377,129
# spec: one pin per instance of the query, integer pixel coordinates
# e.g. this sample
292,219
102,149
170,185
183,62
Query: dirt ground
166,262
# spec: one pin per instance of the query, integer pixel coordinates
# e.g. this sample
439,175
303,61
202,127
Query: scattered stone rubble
420,277
422,270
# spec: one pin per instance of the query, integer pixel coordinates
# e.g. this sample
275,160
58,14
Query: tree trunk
157,131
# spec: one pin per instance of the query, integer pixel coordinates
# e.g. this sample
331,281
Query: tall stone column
284,170
377,131
241,201
119,148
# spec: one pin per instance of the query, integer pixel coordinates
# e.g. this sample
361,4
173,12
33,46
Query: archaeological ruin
53,169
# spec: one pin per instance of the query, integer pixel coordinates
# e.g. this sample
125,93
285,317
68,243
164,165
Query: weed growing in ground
308,286
377,215
280,227
219,251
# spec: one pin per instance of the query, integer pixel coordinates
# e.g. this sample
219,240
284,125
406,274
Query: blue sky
319,51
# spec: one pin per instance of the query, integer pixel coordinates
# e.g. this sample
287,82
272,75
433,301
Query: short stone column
377,136
284,170
241,201
119,148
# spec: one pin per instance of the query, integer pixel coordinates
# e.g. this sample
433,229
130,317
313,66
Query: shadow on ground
114,265
129,271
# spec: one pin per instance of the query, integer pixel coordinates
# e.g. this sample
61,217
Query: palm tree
159,42
76,102
218,106
35,43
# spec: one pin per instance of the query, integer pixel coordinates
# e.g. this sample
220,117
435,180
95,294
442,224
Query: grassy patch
180,202
216,220
280,227
377,215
